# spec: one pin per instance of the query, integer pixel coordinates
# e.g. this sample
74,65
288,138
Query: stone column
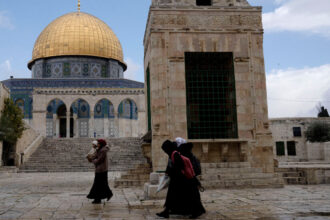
68,124
75,125
116,125
91,125
54,125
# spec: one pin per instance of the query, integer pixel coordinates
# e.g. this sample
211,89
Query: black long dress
100,189
183,197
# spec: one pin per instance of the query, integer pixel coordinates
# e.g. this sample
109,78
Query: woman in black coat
183,195
100,189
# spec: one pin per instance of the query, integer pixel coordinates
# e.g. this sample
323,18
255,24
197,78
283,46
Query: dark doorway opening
61,113
203,2
8,154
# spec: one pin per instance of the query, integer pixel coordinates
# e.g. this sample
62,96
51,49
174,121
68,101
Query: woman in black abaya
183,195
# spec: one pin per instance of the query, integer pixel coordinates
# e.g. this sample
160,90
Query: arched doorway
81,114
61,115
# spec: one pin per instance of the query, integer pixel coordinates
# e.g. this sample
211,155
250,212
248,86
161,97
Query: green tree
11,122
318,132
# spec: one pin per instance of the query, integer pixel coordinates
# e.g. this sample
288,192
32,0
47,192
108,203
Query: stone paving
63,196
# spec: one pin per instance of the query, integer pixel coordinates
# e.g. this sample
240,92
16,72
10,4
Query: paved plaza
63,196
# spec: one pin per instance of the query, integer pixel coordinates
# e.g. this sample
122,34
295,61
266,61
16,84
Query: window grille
296,132
291,146
211,97
280,150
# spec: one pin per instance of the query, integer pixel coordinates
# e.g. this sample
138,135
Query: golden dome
77,34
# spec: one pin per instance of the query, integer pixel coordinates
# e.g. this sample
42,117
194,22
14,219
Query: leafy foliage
318,132
11,122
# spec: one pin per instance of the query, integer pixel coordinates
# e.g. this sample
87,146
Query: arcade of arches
72,116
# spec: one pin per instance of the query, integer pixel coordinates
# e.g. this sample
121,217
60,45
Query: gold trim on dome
77,34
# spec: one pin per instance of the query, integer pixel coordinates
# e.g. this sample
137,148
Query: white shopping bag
163,183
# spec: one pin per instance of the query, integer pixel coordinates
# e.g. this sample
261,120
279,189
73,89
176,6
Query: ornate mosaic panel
24,102
48,71
81,108
104,109
96,70
66,69
104,72
76,69
128,109
52,107
38,71
85,70
57,69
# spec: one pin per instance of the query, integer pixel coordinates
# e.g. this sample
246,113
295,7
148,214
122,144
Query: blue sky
296,43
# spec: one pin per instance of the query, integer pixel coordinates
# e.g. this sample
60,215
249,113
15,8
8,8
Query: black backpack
196,165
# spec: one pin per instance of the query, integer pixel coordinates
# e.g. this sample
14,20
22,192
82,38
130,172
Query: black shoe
163,214
96,201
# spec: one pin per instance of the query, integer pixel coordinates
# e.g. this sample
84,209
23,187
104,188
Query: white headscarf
180,141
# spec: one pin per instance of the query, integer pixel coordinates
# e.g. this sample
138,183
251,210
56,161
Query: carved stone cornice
87,91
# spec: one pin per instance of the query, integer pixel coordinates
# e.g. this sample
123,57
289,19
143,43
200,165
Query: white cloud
296,92
134,70
5,70
311,16
5,21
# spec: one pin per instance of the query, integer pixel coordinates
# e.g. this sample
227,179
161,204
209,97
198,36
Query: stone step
227,165
128,183
68,155
244,183
234,176
295,180
230,170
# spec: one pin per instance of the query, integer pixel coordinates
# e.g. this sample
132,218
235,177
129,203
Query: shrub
11,123
318,132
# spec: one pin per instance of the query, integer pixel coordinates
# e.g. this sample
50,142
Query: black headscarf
185,149
168,147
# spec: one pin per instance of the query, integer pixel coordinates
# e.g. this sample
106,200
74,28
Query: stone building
205,81
4,93
290,144
77,87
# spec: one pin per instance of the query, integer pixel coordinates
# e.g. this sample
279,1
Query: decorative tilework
104,109
52,107
75,69
81,108
86,69
66,69
128,109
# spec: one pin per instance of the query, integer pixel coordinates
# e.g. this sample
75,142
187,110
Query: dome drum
77,67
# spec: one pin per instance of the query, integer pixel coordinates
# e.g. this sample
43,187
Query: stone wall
26,145
4,93
282,129
176,27
192,3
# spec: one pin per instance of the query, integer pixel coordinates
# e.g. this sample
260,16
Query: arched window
128,109
20,104
81,108
53,106
104,109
